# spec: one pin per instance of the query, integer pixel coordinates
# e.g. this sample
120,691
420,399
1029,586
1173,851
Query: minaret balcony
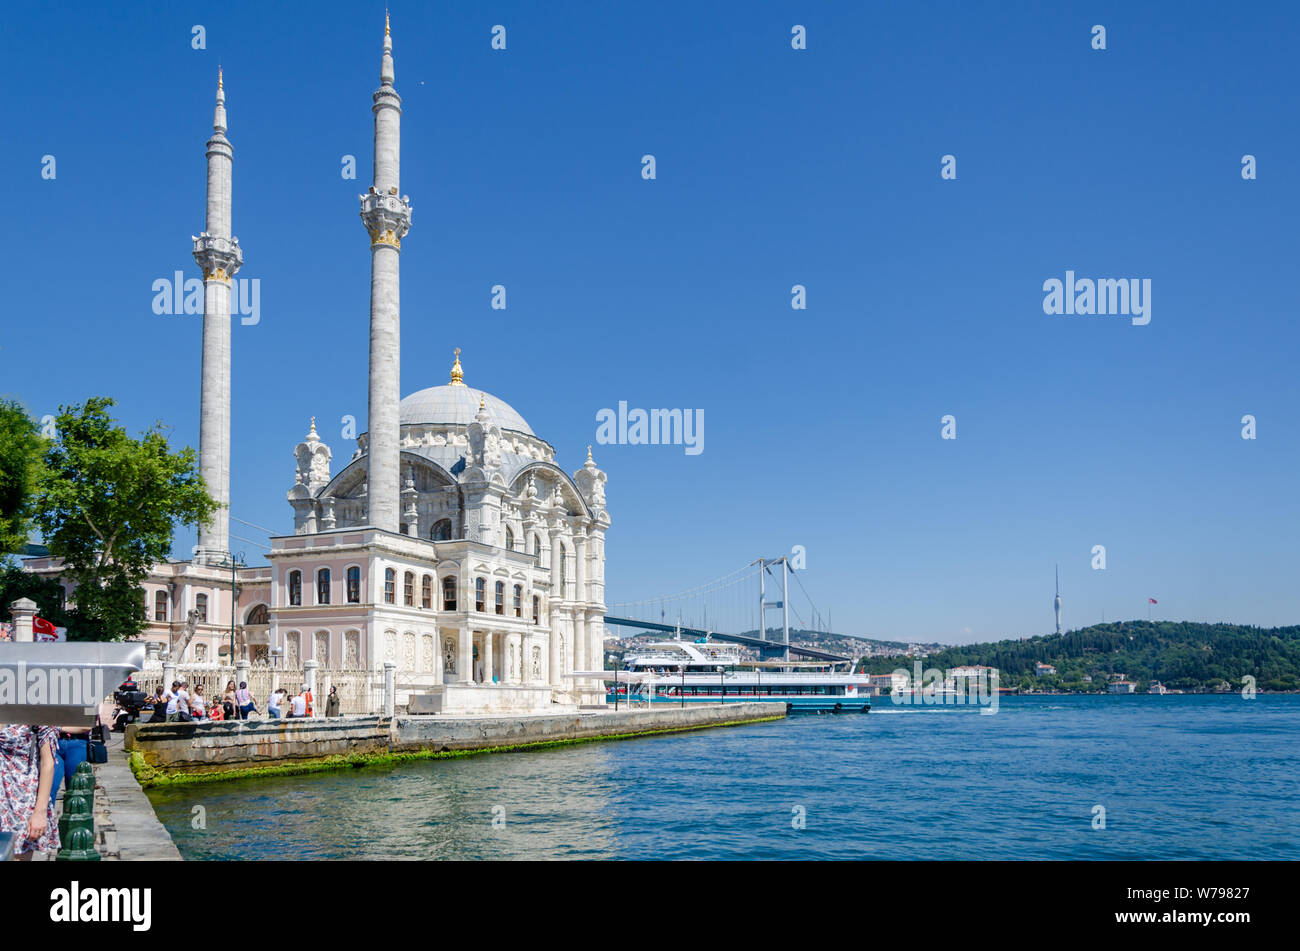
387,218
218,257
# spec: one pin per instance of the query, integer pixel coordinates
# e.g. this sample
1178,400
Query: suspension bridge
736,608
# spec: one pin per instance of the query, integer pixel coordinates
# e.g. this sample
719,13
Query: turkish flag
1153,600
43,630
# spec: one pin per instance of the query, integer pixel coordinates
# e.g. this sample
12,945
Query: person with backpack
183,714
244,701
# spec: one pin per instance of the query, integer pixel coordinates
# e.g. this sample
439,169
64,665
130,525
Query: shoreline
173,754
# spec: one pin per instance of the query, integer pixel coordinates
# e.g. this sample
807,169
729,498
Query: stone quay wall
170,752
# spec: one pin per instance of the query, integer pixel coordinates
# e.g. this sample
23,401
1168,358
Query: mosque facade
450,543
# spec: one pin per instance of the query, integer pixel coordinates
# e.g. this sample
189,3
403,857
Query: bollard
76,830
83,785
80,847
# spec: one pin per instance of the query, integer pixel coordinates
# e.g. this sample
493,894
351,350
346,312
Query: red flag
43,630
1152,600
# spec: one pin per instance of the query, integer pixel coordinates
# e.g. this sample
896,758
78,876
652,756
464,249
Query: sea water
1046,777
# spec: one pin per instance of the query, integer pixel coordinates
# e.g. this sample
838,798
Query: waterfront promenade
126,827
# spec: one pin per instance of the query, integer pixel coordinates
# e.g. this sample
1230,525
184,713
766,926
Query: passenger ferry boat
683,672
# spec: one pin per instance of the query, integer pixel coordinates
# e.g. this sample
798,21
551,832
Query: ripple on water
1199,778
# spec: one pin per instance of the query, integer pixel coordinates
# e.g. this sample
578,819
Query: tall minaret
387,218
219,257
1058,599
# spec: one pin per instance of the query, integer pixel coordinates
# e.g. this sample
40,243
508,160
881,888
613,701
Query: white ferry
683,672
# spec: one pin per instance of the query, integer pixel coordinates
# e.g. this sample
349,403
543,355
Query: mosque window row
353,592
499,598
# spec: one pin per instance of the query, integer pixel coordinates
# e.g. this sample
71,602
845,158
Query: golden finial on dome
482,400
457,374
386,33
218,75
313,427
589,452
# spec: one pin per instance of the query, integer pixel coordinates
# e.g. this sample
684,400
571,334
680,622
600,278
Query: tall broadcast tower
1058,599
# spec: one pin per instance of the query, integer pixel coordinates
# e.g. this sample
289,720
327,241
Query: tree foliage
108,505
1181,654
21,447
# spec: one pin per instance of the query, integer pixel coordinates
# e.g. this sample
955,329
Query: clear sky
775,167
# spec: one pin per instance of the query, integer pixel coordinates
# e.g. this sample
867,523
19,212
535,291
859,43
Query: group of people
180,704
300,704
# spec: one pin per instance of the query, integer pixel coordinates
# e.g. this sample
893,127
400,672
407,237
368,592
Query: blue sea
1173,777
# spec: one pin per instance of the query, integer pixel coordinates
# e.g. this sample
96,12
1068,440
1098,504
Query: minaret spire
387,217
218,255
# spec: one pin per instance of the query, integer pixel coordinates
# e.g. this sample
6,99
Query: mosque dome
458,404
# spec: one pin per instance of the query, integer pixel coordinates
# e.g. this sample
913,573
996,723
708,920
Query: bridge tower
783,604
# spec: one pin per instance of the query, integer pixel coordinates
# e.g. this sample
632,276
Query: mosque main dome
458,404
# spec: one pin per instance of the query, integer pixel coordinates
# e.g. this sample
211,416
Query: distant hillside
848,644
1181,654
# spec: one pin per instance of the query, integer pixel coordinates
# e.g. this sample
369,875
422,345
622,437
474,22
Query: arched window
160,606
537,609
449,593
258,615
390,586
201,605
295,588
519,601
323,586
441,531
354,585
479,594
426,592
564,570
501,597
510,539
408,589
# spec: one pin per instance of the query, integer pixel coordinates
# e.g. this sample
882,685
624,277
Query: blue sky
775,167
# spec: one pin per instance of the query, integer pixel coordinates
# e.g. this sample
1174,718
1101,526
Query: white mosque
451,543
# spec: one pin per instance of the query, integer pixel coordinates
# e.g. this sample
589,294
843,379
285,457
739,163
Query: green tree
108,505
21,447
